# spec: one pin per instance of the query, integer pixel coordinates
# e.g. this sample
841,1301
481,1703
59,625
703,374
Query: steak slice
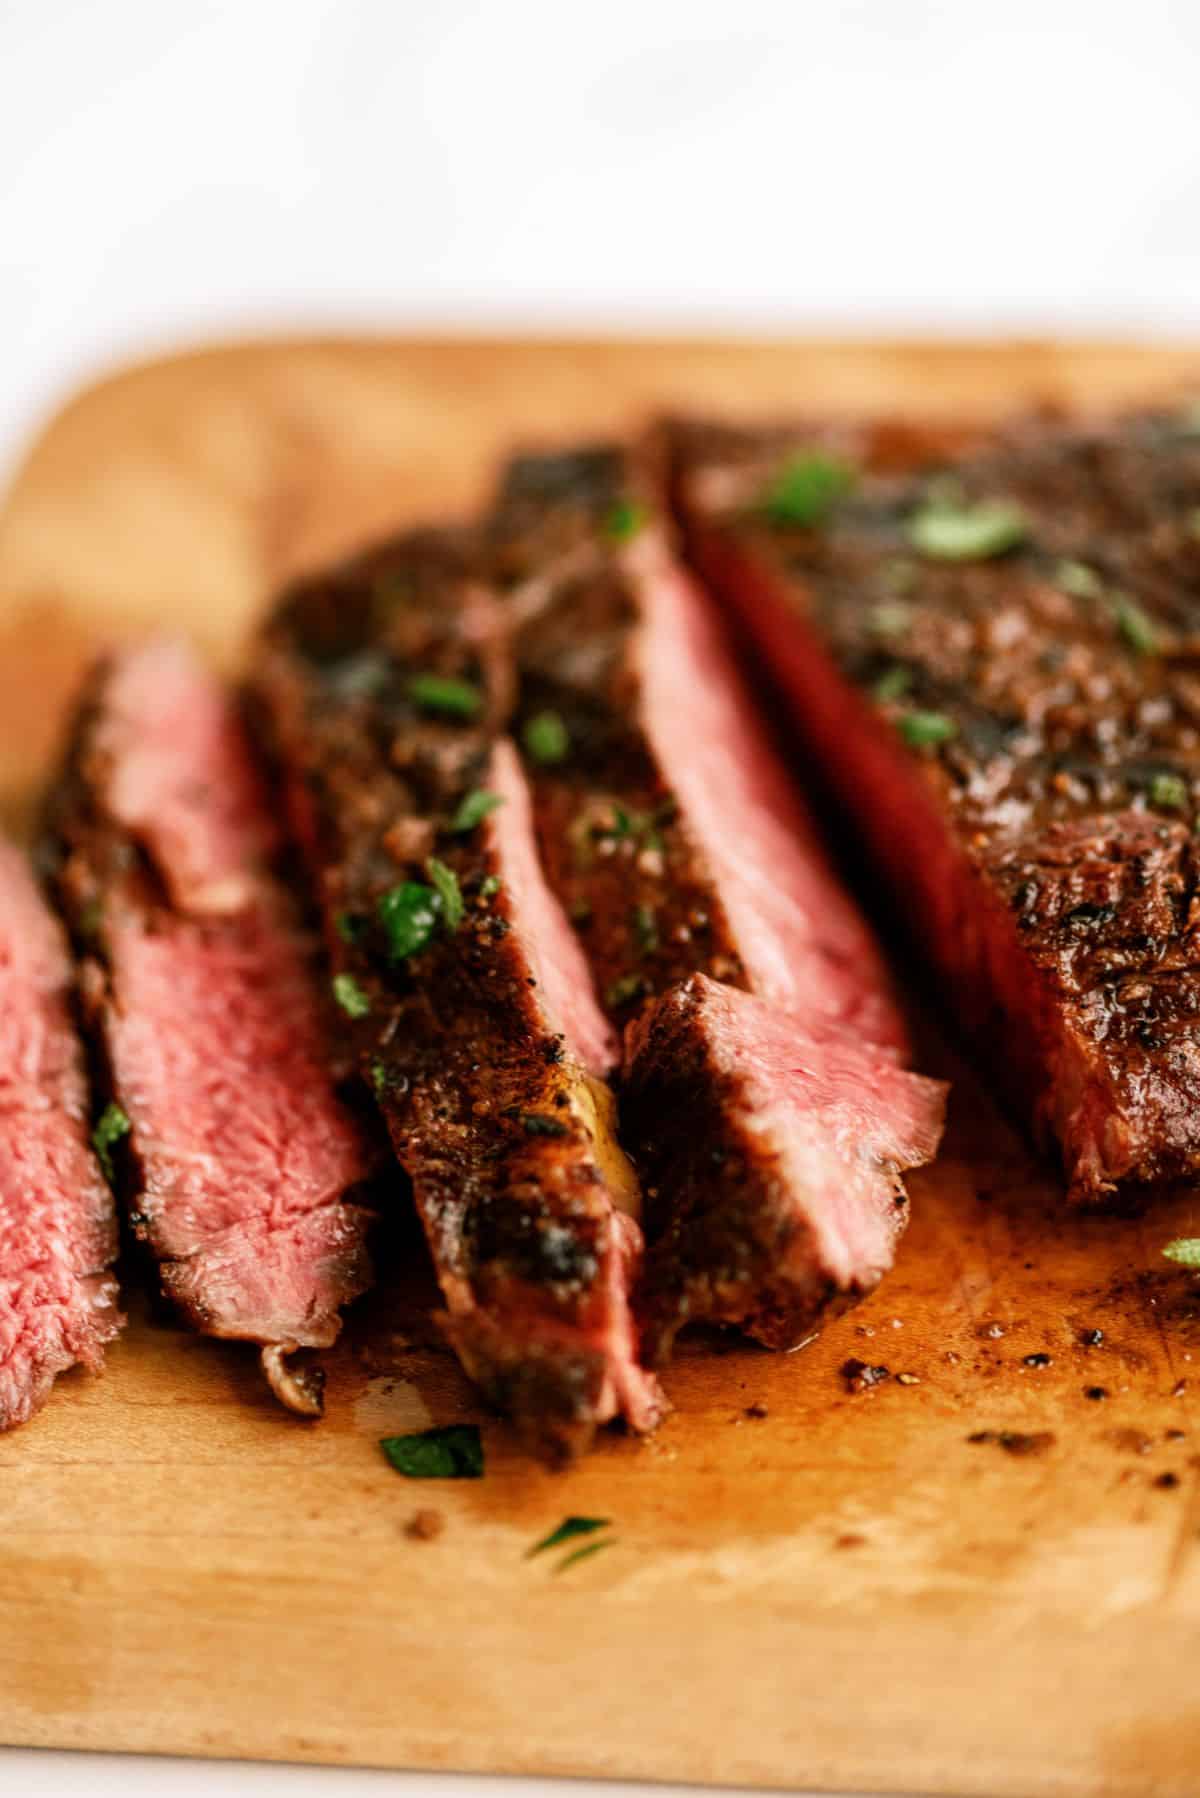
810,1136
993,658
678,843
383,688
198,981
58,1232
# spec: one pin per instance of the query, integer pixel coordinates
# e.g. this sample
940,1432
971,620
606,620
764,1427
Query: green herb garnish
445,885
474,809
620,992
967,533
1077,579
625,520
645,929
569,1528
546,738
806,489
349,926
1168,791
489,885
111,1126
446,694
1136,628
891,619
350,996
537,1123
1185,1250
585,1553
922,728
409,915
893,684
452,1453
380,1076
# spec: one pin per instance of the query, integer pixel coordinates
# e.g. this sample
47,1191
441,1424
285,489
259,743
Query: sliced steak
58,1232
677,841
198,979
994,660
783,1154
384,687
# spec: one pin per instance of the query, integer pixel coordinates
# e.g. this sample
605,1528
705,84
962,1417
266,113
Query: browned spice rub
383,687
994,658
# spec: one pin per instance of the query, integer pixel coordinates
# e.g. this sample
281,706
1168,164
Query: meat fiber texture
712,919
384,688
990,648
58,1234
200,984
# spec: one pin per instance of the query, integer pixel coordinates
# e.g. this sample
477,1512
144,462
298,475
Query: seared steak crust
197,980
1040,831
485,1055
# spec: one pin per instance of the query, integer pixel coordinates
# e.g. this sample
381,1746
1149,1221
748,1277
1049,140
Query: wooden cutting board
806,1586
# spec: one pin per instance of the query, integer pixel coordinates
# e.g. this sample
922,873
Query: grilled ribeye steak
672,832
384,688
58,1232
198,981
994,659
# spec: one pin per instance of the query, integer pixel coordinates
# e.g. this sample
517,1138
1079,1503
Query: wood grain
846,1591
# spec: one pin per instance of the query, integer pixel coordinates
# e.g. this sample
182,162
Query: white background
174,169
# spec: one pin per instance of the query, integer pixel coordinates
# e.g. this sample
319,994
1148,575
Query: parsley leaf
1136,628
893,683
546,738
474,809
446,694
445,885
947,532
1077,579
111,1126
409,915
625,520
584,1553
1185,1250
452,1453
921,728
1168,791
569,1528
806,489
352,998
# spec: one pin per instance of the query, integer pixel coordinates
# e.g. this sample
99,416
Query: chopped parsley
893,684
546,738
1077,579
1185,1250
1168,791
474,809
620,992
111,1126
445,885
1136,628
409,915
350,996
567,1530
380,1076
891,619
919,729
645,928
446,694
948,532
585,1553
489,885
452,1453
806,489
625,520
537,1123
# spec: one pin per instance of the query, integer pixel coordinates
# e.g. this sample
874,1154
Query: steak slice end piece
774,1160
